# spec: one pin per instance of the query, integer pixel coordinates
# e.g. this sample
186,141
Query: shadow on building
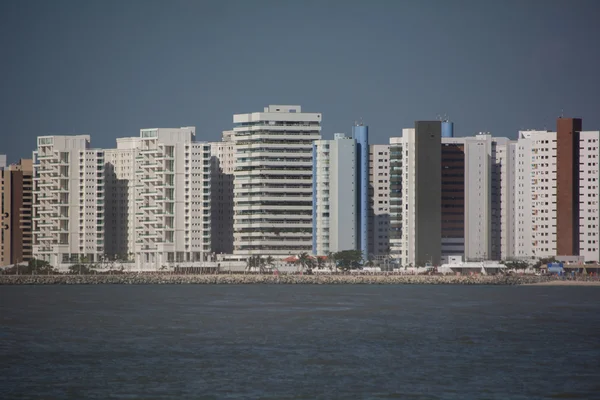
116,215
221,209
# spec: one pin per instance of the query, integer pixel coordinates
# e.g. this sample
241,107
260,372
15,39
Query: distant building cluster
274,187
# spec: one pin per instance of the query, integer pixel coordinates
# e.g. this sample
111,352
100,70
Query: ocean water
299,342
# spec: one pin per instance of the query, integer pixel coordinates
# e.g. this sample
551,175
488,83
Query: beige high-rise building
15,212
172,198
68,208
158,209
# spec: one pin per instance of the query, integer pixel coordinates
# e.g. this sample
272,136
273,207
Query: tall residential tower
273,180
335,223
416,193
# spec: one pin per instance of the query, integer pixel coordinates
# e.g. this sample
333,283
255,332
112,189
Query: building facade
222,175
172,198
503,187
535,195
360,133
416,221
379,201
453,195
273,180
16,202
555,206
68,205
120,204
567,186
589,191
335,195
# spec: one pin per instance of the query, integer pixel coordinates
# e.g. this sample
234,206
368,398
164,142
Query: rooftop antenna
561,113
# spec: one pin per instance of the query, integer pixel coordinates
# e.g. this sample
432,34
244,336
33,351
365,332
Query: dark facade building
453,199
16,199
567,186
428,193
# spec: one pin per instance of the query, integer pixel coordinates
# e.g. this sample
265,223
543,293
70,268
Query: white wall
589,193
343,191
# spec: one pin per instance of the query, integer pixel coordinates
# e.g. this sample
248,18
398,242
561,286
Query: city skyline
424,198
497,68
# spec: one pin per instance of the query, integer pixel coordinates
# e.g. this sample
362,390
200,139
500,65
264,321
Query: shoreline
257,279
565,283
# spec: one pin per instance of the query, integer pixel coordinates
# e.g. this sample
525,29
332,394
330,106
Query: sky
109,68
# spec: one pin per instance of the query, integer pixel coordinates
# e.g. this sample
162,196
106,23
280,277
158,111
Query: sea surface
299,342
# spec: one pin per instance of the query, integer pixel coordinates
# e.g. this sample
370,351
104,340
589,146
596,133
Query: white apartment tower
589,193
273,180
120,197
534,218
379,200
68,206
222,169
334,221
172,198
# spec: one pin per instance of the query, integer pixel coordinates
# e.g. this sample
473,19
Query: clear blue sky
108,68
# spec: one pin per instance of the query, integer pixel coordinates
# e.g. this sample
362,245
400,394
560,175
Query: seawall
240,279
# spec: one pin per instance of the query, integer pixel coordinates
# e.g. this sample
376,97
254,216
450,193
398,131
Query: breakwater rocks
241,279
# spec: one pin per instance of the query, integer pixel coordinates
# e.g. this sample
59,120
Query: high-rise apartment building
555,193
335,195
535,197
476,189
120,204
68,206
415,211
589,191
379,200
222,169
2,161
482,199
273,180
172,198
15,212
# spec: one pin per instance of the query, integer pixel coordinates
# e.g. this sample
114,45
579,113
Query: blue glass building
361,134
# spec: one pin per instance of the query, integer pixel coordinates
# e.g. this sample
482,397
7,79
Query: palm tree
320,262
303,260
261,264
269,261
255,262
83,259
331,260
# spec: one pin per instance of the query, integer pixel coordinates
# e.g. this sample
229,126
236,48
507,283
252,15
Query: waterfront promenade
336,279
